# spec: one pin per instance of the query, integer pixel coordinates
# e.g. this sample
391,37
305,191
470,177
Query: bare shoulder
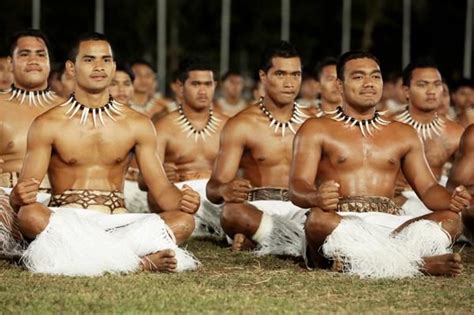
242,124
167,121
453,129
467,141
217,112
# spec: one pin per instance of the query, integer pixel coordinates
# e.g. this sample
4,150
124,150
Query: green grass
235,283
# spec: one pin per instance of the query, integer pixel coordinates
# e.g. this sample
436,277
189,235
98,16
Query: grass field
235,283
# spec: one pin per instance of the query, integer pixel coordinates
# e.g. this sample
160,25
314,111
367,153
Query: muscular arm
226,165
462,172
304,167
38,155
418,174
167,196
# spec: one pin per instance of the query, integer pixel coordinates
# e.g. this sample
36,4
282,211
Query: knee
451,222
230,214
32,220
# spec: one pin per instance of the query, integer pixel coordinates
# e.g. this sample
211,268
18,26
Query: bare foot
241,242
443,265
162,261
337,265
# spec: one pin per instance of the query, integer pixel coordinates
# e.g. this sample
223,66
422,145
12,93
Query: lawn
235,283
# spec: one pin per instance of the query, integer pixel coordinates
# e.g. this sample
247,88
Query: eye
87,59
279,74
377,76
297,74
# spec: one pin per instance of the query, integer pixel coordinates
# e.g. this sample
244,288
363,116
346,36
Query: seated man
462,173
188,140
345,166
86,145
258,141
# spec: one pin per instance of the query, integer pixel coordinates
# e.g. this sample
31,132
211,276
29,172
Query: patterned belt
368,204
266,193
9,179
99,200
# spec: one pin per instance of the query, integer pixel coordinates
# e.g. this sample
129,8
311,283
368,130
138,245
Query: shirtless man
344,168
308,97
462,96
28,98
6,75
423,88
258,141
188,139
462,173
86,145
326,76
231,102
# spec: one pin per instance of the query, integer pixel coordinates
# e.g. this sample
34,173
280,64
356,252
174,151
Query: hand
328,195
460,199
25,192
236,191
190,200
170,170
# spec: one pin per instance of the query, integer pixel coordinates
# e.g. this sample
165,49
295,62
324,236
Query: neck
140,98
422,116
281,112
92,100
37,87
328,107
196,115
358,112
232,100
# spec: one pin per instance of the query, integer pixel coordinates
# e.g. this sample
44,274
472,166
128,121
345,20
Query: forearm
14,202
436,198
169,199
213,191
303,194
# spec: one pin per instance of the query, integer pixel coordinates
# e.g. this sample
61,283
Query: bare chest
184,149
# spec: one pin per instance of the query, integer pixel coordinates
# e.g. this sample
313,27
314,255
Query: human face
94,67
426,87
198,89
309,89
30,63
145,79
461,97
6,75
445,101
362,85
328,85
121,87
233,86
282,81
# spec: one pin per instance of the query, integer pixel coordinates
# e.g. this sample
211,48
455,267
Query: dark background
193,26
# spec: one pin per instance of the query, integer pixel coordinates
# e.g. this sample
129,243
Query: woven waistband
267,193
368,204
9,179
100,200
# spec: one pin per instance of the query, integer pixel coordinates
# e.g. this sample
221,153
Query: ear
406,92
10,64
263,76
339,86
70,68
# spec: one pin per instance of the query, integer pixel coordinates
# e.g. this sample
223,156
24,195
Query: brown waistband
99,200
191,175
268,193
368,204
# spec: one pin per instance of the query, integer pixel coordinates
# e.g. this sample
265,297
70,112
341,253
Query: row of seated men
341,184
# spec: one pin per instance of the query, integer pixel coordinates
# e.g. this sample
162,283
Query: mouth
98,77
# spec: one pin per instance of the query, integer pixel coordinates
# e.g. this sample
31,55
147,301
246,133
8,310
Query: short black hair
392,77
420,63
281,49
194,63
72,55
351,55
143,62
28,33
308,75
230,73
124,67
328,61
463,82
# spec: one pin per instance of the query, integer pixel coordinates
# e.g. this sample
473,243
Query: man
86,145
326,76
145,99
6,75
393,97
251,172
462,95
309,93
188,139
28,98
462,173
423,88
231,102
345,166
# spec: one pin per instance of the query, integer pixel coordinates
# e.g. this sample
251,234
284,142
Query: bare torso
15,121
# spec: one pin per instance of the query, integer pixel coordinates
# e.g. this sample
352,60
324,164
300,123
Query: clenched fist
190,200
236,191
327,196
24,192
460,199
